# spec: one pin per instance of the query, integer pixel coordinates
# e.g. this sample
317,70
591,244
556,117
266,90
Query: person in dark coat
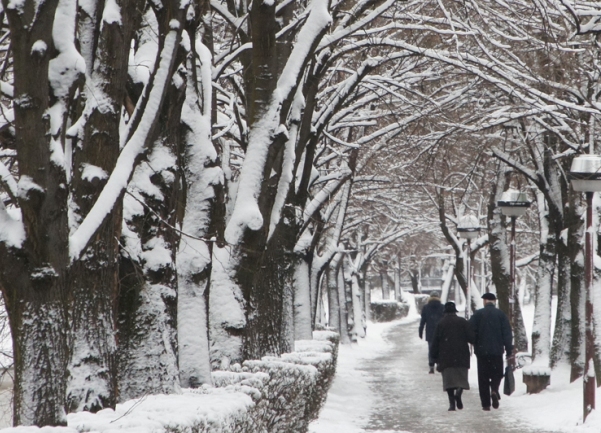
493,337
451,351
431,313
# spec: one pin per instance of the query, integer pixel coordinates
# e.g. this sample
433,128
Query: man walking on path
431,313
493,335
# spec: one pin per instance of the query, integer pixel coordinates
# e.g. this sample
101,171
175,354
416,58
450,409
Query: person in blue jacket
431,313
493,337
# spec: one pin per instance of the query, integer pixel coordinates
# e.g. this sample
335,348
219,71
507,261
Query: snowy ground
355,402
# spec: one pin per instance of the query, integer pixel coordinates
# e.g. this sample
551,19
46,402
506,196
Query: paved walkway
411,400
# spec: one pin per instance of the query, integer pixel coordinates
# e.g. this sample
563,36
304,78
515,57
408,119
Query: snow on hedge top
155,413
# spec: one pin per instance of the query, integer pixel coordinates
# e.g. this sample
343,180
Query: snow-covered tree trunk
385,283
357,292
562,333
575,223
499,259
148,297
95,141
367,299
34,250
541,328
202,223
302,280
302,302
346,319
397,281
597,292
335,304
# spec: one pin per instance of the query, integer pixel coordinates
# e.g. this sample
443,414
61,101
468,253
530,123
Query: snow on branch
9,181
324,195
518,166
117,182
342,31
235,22
12,231
525,261
246,213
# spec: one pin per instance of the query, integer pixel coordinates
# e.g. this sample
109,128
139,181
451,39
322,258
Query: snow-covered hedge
386,311
271,395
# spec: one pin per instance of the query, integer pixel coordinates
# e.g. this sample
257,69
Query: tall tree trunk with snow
357,292
386,286
575,223
346,312
499,258
262,231
92,381
148,298
335,306
541,327
203,219
302,302
34,253
597,296
560,349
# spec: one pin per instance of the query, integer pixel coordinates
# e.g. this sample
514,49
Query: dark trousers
430,359
490,373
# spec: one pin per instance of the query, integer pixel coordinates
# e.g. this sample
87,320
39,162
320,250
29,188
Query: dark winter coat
493,332
431,314
450,343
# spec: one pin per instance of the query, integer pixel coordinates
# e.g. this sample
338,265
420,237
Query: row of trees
183,183
176,180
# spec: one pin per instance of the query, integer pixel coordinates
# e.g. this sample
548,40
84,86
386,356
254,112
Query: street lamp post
512,204
468,228
585,175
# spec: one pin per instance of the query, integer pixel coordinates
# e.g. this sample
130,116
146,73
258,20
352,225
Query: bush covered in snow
387,311
271,395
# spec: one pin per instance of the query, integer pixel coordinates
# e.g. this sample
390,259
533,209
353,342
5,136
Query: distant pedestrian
493,337
451,350
431,314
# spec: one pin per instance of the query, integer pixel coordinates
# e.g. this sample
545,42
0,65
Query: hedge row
272,395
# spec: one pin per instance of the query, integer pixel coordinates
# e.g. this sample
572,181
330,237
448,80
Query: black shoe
451,395
495,399
431,370
486,408
458,401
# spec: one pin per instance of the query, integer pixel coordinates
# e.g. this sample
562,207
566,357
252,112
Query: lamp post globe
585,176
513,203
468,228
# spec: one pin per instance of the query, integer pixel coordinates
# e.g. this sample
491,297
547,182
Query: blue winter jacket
493,332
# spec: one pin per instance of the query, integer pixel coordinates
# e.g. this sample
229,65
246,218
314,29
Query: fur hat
489,297
450,307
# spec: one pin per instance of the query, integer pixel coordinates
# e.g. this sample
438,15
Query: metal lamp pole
585,175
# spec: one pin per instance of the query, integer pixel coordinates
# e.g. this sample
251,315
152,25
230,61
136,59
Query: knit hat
434,294
489,297
449,307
